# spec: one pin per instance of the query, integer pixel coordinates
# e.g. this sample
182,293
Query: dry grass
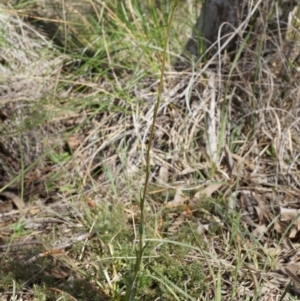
222,207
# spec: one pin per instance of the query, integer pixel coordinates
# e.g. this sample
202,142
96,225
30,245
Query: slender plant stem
140,251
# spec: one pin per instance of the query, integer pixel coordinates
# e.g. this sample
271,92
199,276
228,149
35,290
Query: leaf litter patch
224,162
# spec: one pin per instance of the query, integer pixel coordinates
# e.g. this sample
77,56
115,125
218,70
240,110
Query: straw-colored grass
79,86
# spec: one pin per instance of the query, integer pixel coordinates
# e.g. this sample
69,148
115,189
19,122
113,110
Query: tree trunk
222,17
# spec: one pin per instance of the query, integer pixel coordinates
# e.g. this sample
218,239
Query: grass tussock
79,87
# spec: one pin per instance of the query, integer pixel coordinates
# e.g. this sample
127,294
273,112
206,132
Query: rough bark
213,14
227,15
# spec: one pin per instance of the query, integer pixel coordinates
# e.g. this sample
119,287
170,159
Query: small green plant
139,255
60,158
19,228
